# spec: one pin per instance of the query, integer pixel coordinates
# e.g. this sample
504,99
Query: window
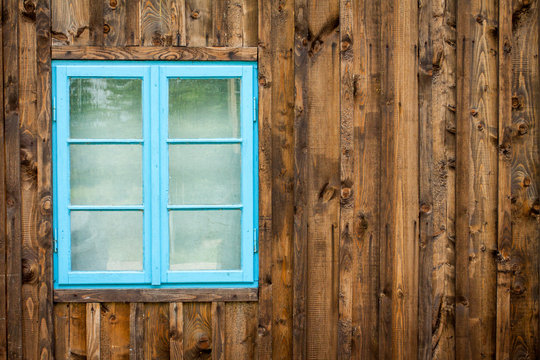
155,168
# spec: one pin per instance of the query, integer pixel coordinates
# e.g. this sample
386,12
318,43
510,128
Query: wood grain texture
115,331
136,331
199,22
71,22
476,188
77,331
155,295
525,182
156,331
13,225
3,248
240,331
176,319
61,331
219,330
197,331
93,331
161,22
154,53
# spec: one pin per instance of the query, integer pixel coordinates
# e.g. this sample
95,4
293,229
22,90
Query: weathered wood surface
399,181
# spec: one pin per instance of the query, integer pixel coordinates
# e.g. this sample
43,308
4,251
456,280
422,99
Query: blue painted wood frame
155,144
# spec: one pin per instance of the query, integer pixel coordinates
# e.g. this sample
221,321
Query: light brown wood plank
160,23
136,331
114,22
71,22
249,23
77,331
199,22
154,53
240,331
156,331
219,330
61,331
115,331
93,330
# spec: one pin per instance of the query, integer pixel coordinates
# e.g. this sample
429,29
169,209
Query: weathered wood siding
399,179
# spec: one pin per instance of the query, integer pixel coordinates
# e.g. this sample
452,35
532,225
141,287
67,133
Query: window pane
205,240
204,108
204,174
106,240
105,108
106,174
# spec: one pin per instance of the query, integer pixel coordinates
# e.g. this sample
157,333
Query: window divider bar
205,141
154,104
106,141
205,207
106,207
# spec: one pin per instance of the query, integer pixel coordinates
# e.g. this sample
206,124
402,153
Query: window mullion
154,104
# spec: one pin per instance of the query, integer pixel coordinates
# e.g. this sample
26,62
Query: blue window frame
155,174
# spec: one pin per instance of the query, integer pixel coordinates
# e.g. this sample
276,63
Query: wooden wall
399,180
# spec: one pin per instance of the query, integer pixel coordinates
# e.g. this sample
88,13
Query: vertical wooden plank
176,319
61,331
367,118
3,244
77,331
28,170
220,25
136,331
525,172
115,331
266,168
10,30
197,331
219,330
398,335
160,20
347,260
43,223
199,22
426,174
71,22
476,166
317,101
504,211
443,103
93,327
132,24
241,329
249,23
156,331
96,24
114,22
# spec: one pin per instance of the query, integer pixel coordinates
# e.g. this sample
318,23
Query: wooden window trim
153,53
156,295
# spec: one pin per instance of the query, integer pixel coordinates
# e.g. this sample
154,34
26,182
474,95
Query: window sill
155,295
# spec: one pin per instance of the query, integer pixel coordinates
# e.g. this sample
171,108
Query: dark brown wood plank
176,319
156,331
365,185
160,23
136,331
154,53
266,168
240,331
3,249
93,331
155,295
43,220
525,172
219,330
249,23
115,331
197,331
476,166
13,235
504,211
28,168
96,23
114,22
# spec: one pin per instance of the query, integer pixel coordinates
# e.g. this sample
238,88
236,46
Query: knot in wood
345,45
474,112
46,204
106,28
44,228
516,102
527,182
346,193
29,271
195,14
113,3
523,129
203,342
425,208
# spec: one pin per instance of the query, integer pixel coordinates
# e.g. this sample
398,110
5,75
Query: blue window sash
155,144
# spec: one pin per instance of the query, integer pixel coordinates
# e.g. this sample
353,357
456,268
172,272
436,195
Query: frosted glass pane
204,108
106,240
205,240
106,174
204,174
105,108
